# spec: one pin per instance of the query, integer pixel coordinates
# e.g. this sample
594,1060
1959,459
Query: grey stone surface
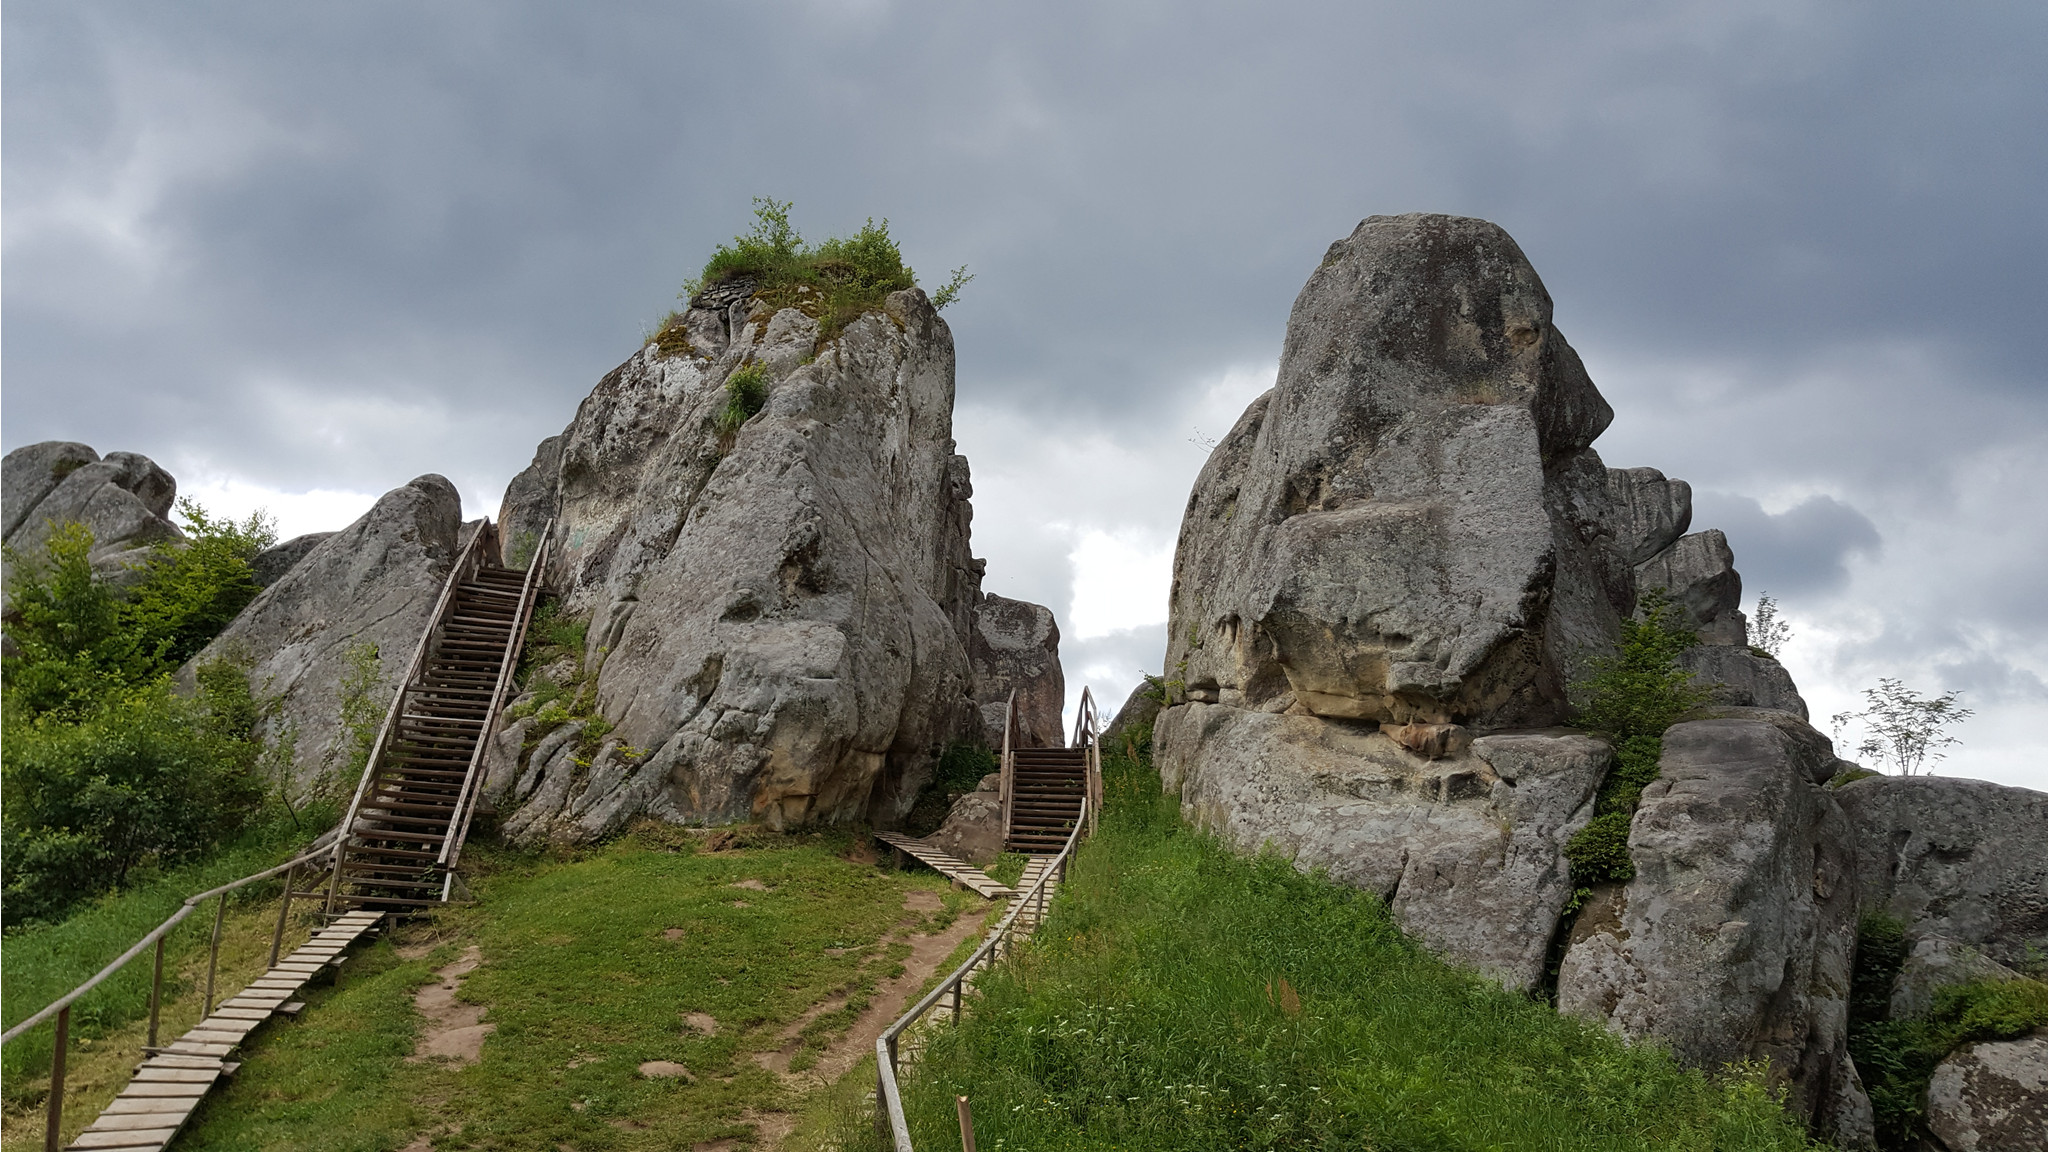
1992,1096
1411,525
1698,574
374,582
1466,850
124,499
272,563
1015,645
973,830
1964,859
530,502
1140,708
779,629
1735,938
1935,963
1733,674
1650,512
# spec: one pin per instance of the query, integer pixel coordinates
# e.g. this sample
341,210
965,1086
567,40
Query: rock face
973,830
1935,963
372,583
1141,708
1961,859
1466,850
1016,645
1410,525
270,565
1733,674
1992,1097
1698,574
780,618
1736,937
125,499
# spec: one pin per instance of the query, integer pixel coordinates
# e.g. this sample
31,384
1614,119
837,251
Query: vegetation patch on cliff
1182,998
836,281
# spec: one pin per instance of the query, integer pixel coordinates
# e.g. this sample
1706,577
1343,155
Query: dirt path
454,1034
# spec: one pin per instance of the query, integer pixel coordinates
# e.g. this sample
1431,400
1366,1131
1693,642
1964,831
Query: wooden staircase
1047,787
1043,787
412,810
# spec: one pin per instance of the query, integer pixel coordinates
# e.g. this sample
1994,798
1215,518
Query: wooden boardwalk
174,1079
959,871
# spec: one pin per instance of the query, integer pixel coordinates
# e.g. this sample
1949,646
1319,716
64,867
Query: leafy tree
1768,632
1903,728
194,588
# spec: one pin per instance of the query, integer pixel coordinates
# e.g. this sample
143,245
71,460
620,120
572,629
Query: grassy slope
1149,1015
583,983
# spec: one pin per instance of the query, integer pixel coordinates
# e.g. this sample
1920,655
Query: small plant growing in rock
746,392
1903,728
1632,696
1768,631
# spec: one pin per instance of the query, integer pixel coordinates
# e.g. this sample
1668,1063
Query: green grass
1180,997
44,961
583,981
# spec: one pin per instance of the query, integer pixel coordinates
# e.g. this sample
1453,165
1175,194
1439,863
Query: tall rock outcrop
1014,646
779,618
124,499
1387,576
374,585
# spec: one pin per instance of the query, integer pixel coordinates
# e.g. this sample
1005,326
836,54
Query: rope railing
60,1008
889,1119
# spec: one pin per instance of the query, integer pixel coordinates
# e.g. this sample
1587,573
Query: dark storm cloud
337,246
1801,551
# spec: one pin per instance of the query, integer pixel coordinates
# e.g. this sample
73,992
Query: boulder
1961,859
1992,1096
1698,574
1738,675
1935,963
779,615
973,830
373,583
1140,710
124,499
1014,645
270,565
1467,850
1649,514
1411,525
530,503
1734,940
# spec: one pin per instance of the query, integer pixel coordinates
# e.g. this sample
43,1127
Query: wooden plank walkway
959,871
174,1079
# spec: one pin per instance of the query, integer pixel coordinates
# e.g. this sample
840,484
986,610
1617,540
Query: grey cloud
1802,551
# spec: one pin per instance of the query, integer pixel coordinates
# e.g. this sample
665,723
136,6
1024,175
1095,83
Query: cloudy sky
299,254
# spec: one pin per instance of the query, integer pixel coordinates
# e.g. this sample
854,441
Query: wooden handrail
191,903
508,666
464,564
1087,734
888,1094
1008,763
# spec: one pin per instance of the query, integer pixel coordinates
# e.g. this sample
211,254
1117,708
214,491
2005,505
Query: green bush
106,769
147,777
835,282
1632,697
1896,1058
746,392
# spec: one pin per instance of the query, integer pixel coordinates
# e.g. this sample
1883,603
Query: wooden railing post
966,1126
53,1132
1009,762
283,906
156,991
213,959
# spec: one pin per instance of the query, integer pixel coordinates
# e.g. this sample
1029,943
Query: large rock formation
1410,525
1966,860
124,499
1015,646
1389,572
779,616
374,585
1736,937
